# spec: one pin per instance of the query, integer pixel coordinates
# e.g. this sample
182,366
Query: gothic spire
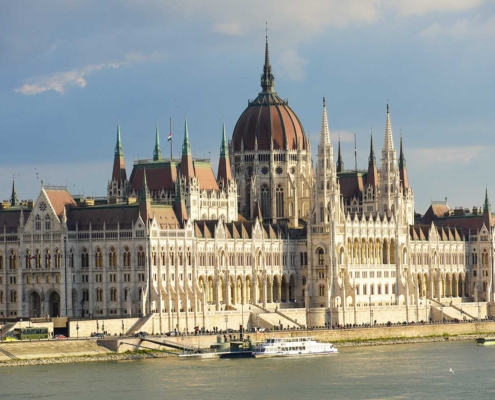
224,171
118,172
340,162
13,198
372,158
119,150
267,79
187,167
402,160
186,146
325,131
157,153
388,144
486,205
145,193
372,176
404,180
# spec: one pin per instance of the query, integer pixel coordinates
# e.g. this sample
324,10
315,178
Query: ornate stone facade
331,244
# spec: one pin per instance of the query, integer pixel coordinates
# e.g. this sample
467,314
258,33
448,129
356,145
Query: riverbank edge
143,355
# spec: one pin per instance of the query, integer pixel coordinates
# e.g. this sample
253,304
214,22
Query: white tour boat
292,347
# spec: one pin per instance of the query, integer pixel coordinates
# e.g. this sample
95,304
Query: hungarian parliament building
277,229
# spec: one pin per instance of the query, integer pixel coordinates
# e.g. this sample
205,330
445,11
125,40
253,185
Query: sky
70,69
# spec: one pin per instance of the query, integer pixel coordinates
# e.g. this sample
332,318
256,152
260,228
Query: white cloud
421,7
445,156
61,81
464,28
343,136
291,65
229,28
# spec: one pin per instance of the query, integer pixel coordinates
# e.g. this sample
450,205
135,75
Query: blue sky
70,68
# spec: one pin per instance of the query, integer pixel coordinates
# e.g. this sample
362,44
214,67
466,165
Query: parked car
172,333
97,335
141,334
60,336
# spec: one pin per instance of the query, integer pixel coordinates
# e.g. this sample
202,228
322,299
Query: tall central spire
340,161
267,79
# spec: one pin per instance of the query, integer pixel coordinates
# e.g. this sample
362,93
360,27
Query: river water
411,371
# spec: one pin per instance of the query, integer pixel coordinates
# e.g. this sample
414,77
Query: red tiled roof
59,199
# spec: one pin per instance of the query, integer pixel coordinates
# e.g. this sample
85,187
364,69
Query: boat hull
281,354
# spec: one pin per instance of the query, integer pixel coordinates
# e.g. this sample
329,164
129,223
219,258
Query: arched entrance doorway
54,304
34,305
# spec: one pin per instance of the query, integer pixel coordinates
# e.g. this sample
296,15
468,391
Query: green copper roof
486,205
186,146
119,150
157,153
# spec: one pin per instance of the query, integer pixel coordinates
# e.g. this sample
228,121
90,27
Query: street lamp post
65,277
77,329
97,324
242,321
226,322
371,314
441,309
122,327
103,327
257,321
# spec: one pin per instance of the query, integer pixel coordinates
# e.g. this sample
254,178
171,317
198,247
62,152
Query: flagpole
170,141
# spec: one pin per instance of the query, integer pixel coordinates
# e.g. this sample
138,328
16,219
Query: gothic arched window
265,201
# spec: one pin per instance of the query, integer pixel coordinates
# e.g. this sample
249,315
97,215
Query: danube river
412,371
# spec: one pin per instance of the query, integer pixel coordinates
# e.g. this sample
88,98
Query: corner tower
117,185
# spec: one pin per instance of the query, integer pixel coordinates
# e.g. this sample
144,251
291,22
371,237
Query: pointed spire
372,158
267,79
224,172
388,144
118,172
402,160
325,131
13,198
157,153
187,167
404,180
119,150
145,193
186,146
372,177
340,162
64,216
486,205
224,150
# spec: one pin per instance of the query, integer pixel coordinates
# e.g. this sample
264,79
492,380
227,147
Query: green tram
31,333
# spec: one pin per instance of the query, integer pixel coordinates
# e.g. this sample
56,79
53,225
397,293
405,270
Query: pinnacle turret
157,153
14,200
486,204
145,193
372,178
325,131
388,144
340,161
187,167
119,150
267,78
402,160
224,171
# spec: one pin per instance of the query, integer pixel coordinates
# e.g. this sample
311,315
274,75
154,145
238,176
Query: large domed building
271,157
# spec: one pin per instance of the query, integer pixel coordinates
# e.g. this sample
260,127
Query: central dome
268,120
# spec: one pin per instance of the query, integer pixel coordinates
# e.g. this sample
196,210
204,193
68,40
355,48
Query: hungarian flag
169,137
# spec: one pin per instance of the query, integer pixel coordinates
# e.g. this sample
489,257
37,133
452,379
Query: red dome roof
269,119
